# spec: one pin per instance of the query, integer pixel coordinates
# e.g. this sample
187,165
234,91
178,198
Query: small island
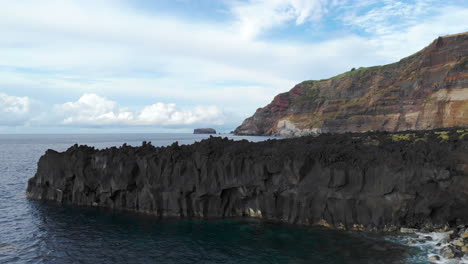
204,131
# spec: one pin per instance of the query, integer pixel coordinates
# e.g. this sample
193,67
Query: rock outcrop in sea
426,90
362,181
204,131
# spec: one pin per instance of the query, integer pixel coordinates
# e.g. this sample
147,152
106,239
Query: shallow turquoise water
37,232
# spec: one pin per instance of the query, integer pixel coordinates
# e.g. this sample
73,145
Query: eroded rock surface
424,91
347,181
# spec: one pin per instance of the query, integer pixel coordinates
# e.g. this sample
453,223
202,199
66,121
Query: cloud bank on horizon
82,65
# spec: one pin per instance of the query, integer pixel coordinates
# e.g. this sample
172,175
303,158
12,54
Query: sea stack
204,131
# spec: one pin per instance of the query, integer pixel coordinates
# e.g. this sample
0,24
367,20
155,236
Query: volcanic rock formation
353,181
423,91
204,131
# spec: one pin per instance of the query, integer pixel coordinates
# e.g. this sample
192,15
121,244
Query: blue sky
172,65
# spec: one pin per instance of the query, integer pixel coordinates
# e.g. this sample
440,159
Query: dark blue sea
38,232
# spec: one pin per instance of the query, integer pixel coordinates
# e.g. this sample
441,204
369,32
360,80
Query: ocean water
39,232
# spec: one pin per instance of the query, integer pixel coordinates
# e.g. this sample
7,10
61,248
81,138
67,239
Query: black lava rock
352,181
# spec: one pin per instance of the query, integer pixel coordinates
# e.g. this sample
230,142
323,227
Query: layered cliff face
426,90
352,181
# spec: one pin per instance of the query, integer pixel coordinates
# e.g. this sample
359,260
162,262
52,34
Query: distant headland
426,90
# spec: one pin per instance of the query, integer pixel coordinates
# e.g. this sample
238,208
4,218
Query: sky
164,66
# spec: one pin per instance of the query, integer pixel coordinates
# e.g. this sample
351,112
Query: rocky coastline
412,182
369,181
448,244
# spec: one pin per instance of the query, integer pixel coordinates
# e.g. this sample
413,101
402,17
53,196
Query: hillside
423,91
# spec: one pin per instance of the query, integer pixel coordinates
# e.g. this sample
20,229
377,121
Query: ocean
40,232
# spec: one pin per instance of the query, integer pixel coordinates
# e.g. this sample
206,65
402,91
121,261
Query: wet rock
450,252
445,228
464,249
459,242
408,230
465,234
433,259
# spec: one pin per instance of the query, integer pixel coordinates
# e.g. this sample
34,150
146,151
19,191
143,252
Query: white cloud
94,110
388,16
393,41
168,114
110,48
255,16
14,110
99,40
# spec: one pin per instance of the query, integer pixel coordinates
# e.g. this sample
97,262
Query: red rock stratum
423,91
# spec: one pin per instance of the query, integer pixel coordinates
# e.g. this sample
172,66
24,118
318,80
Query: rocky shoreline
370,181
448,245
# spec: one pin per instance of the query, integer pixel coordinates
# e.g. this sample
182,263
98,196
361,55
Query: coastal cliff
358,181
426,90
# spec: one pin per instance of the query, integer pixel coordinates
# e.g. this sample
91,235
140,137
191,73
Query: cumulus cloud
94,110
91,109
14,110
168,114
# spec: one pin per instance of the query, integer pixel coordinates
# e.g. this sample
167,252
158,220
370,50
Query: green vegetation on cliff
423,91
